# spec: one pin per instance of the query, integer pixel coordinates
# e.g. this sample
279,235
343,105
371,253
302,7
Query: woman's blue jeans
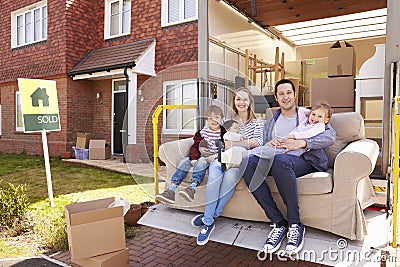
220,188
199,171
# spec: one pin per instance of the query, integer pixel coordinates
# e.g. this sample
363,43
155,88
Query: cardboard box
337,92
94,229
113,259
340,110
341,60
99,149
82,140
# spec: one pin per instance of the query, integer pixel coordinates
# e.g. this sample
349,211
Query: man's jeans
199,171
220,188
285,168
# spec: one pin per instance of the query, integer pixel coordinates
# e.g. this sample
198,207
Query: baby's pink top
305,129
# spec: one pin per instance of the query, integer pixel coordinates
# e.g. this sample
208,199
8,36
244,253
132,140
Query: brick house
99,53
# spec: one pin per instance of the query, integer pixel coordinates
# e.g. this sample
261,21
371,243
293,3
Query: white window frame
18,100
164,13
180,122
107,19
43,24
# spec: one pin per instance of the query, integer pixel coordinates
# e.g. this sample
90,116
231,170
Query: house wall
74,29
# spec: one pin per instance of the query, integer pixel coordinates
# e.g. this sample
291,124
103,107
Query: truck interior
259,42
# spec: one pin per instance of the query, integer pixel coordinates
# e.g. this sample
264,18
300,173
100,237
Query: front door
119,113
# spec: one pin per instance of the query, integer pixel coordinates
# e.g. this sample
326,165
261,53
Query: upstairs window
178,11
117,18
29,24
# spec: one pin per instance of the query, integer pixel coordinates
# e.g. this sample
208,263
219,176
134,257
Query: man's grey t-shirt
283,126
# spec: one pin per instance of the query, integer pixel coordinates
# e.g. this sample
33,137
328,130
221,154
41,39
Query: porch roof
111,58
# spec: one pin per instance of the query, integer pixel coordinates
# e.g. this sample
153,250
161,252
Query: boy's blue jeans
199,171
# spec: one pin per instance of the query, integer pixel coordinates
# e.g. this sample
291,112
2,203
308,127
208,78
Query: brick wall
152,90
74,29
37,60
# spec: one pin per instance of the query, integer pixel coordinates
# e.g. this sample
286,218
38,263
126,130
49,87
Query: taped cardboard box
99,149
341,60
82,140
337,92
94,229
113,259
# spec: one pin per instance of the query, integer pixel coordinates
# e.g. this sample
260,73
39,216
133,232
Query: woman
221,184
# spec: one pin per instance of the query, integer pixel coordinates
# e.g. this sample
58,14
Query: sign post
39,107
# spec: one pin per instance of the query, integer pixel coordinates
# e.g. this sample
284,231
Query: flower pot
66,155
145,205
133,215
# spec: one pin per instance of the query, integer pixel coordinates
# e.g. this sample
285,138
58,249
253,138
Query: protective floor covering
320,246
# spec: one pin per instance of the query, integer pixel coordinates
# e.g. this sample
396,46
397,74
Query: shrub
52,232
13,205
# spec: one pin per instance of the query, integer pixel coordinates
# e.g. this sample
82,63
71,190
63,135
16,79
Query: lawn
71,183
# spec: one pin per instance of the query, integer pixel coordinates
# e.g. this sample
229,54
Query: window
180,93
18,113
178,11
29,25
117,21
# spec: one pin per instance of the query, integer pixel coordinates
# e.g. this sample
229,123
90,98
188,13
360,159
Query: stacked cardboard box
339,89
96,234
82,140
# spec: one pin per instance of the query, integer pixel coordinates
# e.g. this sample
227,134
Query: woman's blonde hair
250,111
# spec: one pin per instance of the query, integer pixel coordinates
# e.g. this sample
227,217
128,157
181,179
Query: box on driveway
94,229
114,259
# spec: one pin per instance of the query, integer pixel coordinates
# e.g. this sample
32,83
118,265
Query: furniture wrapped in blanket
332,201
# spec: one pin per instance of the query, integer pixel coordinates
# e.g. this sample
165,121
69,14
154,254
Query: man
285,168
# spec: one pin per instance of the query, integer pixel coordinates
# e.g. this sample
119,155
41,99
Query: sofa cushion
313,183
349,126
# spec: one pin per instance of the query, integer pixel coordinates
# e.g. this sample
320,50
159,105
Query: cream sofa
332,201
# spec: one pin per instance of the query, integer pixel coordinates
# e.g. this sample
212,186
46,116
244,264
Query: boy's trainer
167,196
188,193
295,237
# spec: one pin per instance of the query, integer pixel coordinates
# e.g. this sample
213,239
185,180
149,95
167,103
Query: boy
199,161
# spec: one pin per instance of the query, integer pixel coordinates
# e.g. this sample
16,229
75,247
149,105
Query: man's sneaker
198,220
204,234
295,237
275,238
188,193
167,196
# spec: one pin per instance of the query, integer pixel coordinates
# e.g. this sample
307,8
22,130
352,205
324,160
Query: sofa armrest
356,160
352,188
171,153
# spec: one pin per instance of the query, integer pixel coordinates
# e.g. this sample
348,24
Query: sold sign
39,105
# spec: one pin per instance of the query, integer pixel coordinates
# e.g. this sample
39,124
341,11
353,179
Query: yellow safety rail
155,136
396,169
